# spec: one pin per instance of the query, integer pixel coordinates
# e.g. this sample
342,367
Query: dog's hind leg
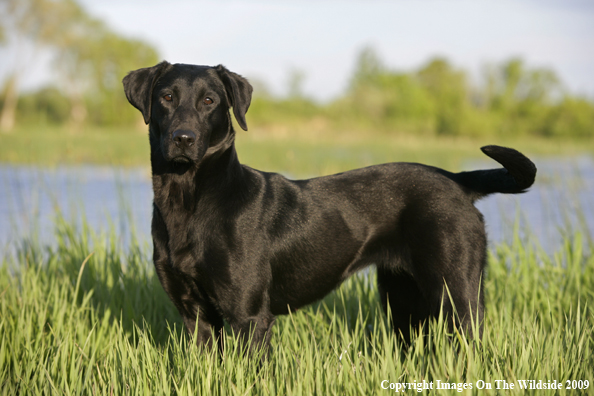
407,305
451,283
446,253
460,300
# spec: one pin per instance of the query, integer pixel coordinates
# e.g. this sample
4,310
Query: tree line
440,99
89,61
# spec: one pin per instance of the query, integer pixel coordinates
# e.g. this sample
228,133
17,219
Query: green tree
92,62
368,67
47,105
449,92
521,97
28,26
511,85
571,117
381,97
90,59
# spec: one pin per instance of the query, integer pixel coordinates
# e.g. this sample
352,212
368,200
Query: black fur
239,245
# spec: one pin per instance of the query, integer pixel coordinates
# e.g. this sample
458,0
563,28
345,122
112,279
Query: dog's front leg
249,316
254,334
191,305
183,292
209,324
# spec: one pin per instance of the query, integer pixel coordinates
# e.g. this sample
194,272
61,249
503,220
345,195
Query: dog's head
187,107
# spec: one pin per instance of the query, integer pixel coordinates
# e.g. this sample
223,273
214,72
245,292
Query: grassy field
301,152
88,317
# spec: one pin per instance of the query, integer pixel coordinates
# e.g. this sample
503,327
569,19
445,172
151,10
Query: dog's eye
168,97
208,101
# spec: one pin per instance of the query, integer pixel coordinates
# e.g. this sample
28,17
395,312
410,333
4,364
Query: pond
560,203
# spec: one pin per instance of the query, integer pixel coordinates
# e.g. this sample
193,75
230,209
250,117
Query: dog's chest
184,231
176,198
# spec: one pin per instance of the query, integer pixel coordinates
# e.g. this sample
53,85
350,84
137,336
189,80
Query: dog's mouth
181,159
182,155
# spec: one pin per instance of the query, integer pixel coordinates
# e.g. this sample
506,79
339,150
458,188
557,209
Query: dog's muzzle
184,139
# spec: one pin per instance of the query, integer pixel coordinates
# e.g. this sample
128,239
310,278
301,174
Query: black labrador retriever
237,244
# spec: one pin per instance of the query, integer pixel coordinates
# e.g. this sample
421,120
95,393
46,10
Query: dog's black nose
184,138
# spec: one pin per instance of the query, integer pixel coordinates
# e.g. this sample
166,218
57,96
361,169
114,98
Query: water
31,198
560,202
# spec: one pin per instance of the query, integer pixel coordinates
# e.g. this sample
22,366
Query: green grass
300,152
87,317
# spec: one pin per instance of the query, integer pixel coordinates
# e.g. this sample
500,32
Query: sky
267,40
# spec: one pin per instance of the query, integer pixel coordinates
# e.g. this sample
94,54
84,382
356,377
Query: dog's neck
183,185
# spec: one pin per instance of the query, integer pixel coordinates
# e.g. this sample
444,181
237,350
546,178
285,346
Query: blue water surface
559,204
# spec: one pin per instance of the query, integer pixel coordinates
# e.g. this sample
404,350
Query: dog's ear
138,86
239,92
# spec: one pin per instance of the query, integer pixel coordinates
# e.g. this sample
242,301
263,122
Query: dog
235,244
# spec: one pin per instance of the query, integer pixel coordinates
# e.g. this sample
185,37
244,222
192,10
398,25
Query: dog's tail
515,177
